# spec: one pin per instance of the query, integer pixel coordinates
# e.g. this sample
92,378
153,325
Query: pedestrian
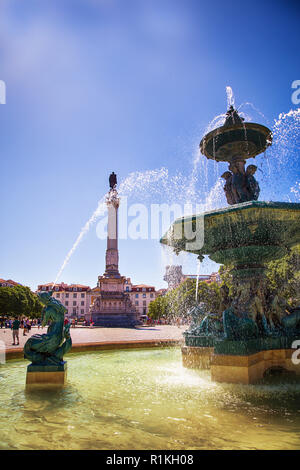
24,327
15,331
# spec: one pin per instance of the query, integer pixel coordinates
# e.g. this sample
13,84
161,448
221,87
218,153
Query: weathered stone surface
46,375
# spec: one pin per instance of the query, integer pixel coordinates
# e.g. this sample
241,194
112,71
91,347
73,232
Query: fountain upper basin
251,232
235,140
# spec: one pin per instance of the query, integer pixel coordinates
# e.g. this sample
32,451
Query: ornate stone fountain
254,332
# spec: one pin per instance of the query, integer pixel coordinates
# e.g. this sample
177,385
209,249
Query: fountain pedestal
245,369
48,374
249,369
245,341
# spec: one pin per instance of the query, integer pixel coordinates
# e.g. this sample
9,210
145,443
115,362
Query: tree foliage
177,302
19,301
283,277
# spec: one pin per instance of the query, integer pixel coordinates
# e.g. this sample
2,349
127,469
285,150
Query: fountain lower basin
145,399
254,321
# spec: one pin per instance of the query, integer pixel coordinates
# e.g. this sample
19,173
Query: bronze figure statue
240,184
112,180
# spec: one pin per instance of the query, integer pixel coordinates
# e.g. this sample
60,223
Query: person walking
24,328
15,331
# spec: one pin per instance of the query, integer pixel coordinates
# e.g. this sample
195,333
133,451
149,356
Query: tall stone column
112,254
111,305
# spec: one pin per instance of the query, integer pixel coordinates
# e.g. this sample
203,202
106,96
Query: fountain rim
268,205
242,205
267,133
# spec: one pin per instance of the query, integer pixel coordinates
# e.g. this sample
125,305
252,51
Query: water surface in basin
145,399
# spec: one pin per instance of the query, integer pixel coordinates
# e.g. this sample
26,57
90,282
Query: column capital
112,198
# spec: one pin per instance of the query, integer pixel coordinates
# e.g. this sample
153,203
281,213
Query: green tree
19,301
284,277
158,308
177,302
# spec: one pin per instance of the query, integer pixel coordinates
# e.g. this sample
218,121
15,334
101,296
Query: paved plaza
104,335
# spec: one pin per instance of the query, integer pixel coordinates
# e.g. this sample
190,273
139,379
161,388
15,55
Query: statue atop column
112,180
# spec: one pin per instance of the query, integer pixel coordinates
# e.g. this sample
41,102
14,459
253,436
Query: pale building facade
8,283
74,297
141,295
174,276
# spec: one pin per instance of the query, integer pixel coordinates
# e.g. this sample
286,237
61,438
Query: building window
144,295
67,295
82,311
151,295
74,289
82,296
127,288
74,311
144,289
74,302
144,303
57,296
74,295
136,302
136,296
67,303
82,302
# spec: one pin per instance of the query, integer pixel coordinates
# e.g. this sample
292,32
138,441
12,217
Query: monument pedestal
45,375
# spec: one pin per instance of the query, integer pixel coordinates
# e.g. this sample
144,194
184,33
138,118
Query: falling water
296,190
247,103
134,181
197,282
99,210
282,158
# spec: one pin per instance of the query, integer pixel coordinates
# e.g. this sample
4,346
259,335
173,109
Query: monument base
46,375
243,369
115,321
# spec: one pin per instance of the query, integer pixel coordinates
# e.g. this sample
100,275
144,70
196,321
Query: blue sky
101,85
